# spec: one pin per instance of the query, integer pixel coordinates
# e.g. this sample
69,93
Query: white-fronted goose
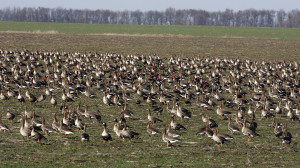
248,132
53,101
46,128
25,131
153,119
3,127
85,136
125,133
64,129
10,116
36,135
151,130
232,128
168,139
105,135
176,126
220,140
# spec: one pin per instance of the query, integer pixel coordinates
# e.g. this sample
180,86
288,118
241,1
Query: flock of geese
240,91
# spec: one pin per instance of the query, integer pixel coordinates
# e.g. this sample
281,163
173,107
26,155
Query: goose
105,135
183,113
291,115
153,119
158,110
106,100
85,136
53,101
64,130
34,121
20,98
3,96
125,133
79,124
220,140
233,129
287,136
11,93
202,130
25,131
126,113
46,128
266,114
79,110
41,98
55,123
90,115
278,130
222,113
32,98
10,116
36,136
117,128
172,133
278,110
3,127
151,130
176,126
28,114
248,132
168,139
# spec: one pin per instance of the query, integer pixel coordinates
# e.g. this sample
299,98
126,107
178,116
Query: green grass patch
195,31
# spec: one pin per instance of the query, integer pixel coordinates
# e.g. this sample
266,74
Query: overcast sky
144,5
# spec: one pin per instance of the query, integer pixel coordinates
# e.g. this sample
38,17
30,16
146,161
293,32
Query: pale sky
160,5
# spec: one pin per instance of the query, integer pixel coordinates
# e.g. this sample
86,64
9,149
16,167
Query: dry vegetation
256,49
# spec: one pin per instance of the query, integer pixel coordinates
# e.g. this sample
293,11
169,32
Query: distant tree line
171,16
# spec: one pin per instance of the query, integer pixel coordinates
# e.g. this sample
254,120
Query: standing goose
222,113
151,130
84,135
219,139
36,135
79,124
90,115
53,101
28,114
126,113
10,116
46,128
106,100
64,130
172,133
176,126
168,139
79,110
25,131
20,98
35,122
2,125
117,128
232,128
287,136
248,132
41,98
250,112
125,133
278,130
183,113
55,123
105,135
3,96
153,119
